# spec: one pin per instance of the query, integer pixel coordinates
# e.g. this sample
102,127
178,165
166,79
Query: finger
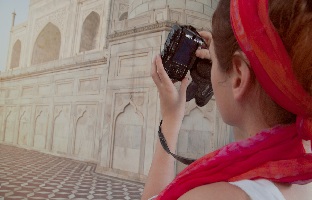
164,78
154,73
207,36
183,87
203,54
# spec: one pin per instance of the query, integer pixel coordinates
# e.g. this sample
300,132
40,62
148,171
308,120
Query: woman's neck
249,127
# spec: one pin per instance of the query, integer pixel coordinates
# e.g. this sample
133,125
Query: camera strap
163,142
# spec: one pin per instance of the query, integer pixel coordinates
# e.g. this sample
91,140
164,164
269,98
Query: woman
261,56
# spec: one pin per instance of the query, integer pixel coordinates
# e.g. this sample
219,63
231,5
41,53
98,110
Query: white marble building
78,85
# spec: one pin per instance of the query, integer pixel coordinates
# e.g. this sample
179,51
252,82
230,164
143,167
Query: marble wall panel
2,93
195,6
13,93
2,114
61,129
200,22
44,89
160,15
138,43
41,124
28,90
89,85
64,87
85,140
127,143
196,136
176,16
129,132
208,10
133,63
11,117
24,126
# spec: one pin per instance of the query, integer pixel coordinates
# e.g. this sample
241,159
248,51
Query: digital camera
178,57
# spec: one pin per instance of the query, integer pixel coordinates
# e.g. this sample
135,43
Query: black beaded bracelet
164,144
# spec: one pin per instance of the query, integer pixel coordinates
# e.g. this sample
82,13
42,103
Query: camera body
178,57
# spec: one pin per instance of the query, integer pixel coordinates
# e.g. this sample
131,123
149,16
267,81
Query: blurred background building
77,83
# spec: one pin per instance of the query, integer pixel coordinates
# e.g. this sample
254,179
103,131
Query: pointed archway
47,45
16,54
90,29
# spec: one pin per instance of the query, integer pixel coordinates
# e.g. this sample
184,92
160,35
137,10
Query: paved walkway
27,174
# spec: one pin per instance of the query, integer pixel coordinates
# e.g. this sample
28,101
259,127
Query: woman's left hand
172,101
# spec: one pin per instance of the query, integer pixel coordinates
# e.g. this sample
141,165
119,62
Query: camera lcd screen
185,51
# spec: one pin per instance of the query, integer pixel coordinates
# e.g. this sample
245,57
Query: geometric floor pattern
27,174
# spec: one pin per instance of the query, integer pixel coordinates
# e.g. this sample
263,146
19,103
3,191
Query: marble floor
27,174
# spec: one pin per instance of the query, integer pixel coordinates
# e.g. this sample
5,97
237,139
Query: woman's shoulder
302,192
260,189
249,189
218,191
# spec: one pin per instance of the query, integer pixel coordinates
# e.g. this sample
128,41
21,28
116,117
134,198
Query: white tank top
259,189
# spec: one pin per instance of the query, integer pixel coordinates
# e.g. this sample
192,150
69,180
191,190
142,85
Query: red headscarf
276,154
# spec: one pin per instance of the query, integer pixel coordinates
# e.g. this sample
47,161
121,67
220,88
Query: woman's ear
241,76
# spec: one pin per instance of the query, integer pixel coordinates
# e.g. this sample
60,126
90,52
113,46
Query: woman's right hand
172,101
204,53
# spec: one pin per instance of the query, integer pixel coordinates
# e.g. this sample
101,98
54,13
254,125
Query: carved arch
127,140
89,34
47,46
16,54
123,16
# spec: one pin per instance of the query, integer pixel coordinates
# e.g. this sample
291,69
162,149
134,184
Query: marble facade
78,85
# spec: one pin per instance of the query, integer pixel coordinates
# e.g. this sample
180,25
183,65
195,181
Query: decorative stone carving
86,142
61,129
130,32
41,127
24,126
57,17
196,136
74,63
123,8
97,9
10,124
127,143
128,132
